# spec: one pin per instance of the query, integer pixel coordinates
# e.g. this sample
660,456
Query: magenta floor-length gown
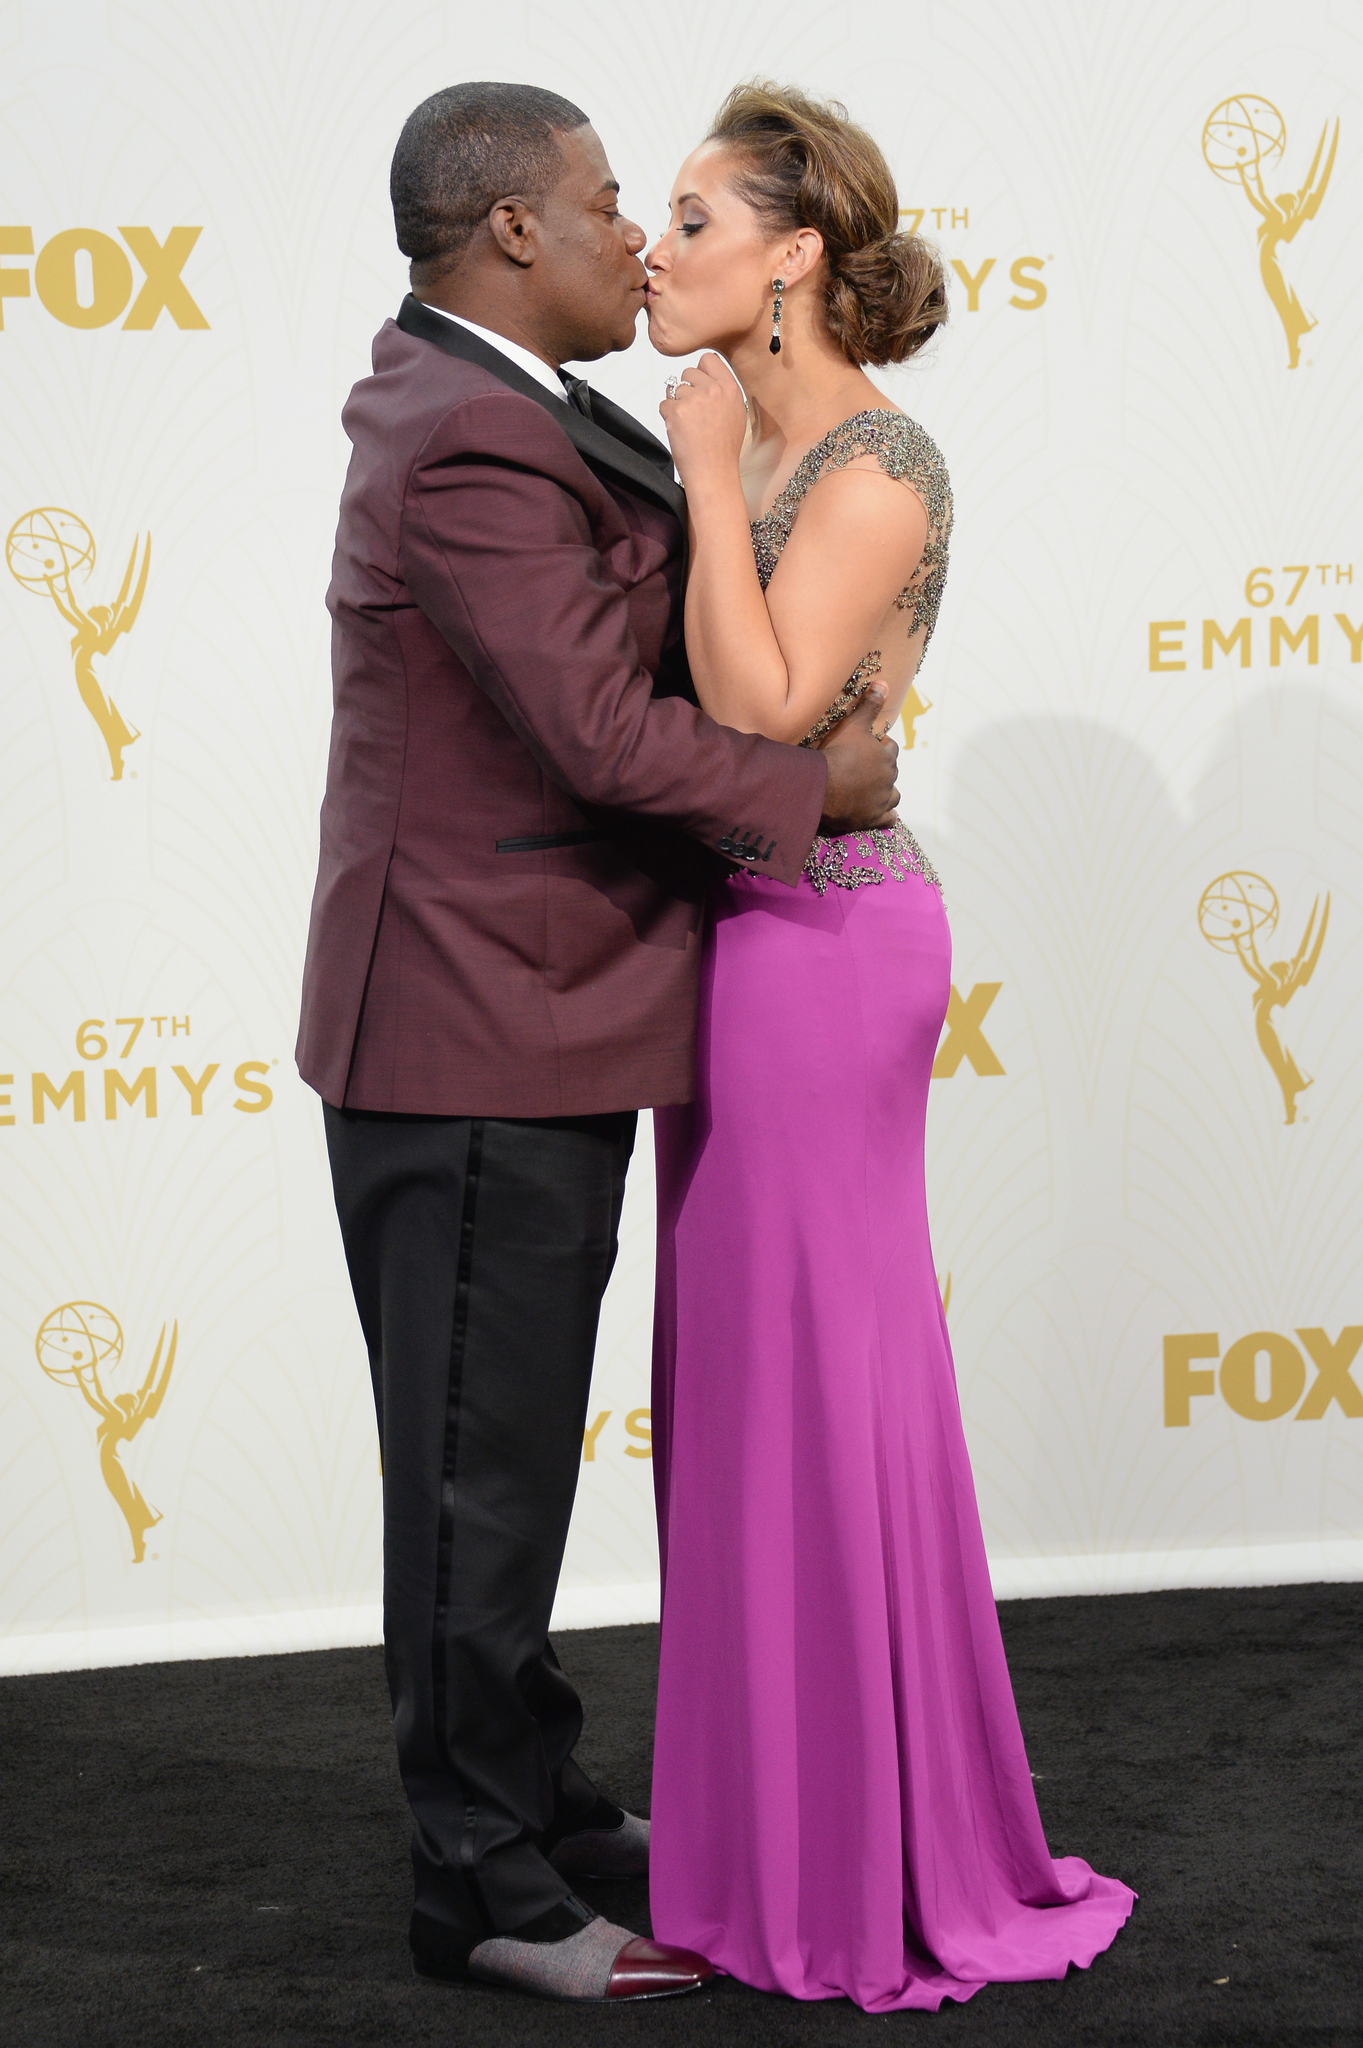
842,1805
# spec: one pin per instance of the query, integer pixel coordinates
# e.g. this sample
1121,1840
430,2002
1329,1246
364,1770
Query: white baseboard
165,1642
1153,1571
606,1606
264,1635
340,1628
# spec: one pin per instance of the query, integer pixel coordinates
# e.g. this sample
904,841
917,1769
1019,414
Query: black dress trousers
479,1250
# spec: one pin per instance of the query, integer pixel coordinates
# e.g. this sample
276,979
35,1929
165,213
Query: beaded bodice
911,456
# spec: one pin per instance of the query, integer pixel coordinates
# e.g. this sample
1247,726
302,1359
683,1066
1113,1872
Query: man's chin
625,336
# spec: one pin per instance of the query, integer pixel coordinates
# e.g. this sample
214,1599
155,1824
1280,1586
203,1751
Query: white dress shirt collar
533,366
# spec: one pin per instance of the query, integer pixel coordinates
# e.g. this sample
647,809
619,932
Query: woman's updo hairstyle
804,164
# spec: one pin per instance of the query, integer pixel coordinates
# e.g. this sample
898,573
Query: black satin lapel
632,432
597,445
650,472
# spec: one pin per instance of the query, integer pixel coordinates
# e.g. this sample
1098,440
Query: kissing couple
610,823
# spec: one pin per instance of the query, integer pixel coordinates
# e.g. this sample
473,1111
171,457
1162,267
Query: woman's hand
707,422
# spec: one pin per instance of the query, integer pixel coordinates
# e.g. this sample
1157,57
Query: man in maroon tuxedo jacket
523,807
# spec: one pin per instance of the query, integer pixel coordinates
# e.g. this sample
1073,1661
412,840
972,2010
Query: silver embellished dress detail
909,455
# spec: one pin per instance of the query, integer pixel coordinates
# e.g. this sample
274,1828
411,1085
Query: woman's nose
654,260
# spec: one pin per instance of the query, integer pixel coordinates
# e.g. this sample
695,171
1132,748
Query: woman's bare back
889,444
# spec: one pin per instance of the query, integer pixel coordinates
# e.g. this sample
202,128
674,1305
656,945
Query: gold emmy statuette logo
75,1343
913,708
1245,137
1234,912
46,549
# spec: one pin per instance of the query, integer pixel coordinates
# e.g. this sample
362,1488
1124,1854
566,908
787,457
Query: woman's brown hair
804,164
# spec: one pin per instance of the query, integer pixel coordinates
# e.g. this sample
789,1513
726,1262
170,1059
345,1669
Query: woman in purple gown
841,1800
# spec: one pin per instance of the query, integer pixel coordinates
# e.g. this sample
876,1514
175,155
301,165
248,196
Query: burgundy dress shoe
568,1953
650,1969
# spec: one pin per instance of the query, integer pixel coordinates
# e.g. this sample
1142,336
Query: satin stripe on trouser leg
479,1250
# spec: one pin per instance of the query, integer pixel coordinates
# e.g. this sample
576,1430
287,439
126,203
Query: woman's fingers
676,386
705,415
709,377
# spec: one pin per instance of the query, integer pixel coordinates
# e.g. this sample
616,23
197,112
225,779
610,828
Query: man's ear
514,227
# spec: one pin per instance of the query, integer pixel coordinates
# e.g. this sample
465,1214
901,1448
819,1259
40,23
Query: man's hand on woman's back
862,789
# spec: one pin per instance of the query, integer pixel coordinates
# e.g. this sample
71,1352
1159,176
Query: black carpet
215,1853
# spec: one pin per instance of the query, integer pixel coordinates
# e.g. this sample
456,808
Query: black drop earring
778,285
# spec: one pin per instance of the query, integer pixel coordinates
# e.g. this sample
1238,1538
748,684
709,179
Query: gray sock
578,1968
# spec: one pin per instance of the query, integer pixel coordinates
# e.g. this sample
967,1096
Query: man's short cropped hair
461,151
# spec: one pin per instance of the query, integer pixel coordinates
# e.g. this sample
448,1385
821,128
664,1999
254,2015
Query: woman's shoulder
896,443
899,447
902,448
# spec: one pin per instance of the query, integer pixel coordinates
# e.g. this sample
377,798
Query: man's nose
634,237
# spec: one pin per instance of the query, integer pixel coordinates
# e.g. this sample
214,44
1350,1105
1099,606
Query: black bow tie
579,392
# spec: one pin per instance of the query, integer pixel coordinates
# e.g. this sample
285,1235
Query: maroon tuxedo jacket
508,909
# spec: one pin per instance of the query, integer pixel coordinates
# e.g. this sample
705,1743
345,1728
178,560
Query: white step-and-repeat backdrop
1139,769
